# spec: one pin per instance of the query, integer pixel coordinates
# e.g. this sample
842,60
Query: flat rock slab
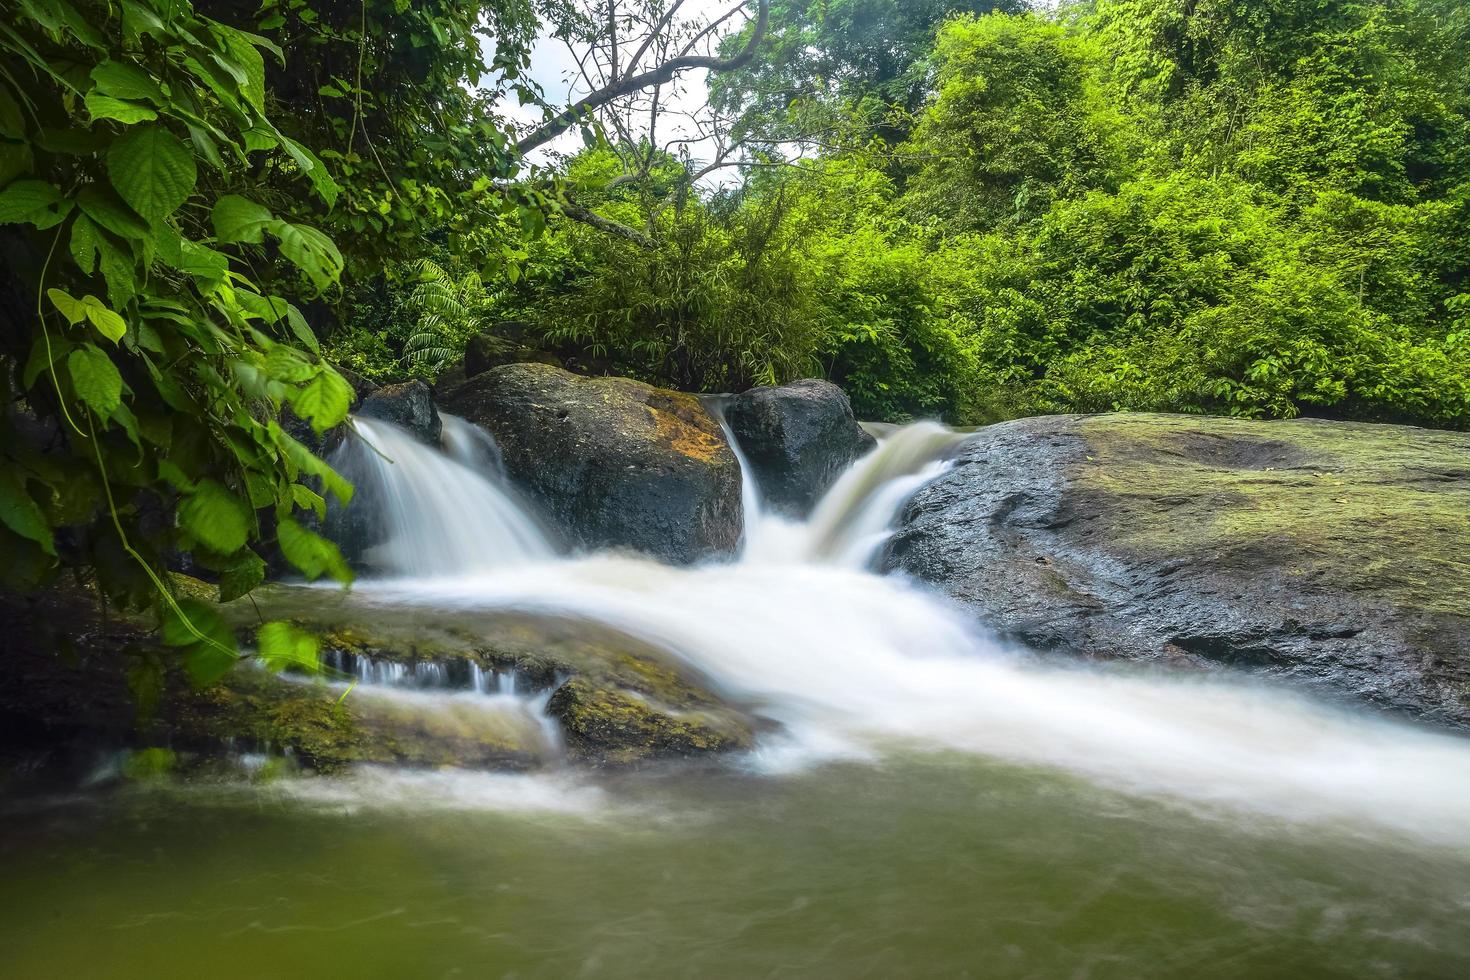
1335,554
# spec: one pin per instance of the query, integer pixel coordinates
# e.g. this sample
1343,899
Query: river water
927,802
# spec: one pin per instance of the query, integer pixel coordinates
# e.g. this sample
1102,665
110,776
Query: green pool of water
930,866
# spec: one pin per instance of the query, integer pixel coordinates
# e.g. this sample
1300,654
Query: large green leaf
325,401
244,62
108,323
208,645
311,251
35,202
153,171
102,106
95,379
282,645
313,554
216,517
239,219
241,576
99,203
84,242
125,80
21,514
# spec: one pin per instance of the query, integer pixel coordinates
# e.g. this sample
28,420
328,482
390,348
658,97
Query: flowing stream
926,801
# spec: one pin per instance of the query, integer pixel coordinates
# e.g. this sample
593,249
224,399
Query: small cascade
468,444
853,518
462,676
851,521
432,513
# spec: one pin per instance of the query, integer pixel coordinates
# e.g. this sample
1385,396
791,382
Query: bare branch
662,74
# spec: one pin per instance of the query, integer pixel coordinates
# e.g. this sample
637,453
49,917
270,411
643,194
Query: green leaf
311,251
324,402
35,202
241,576
95,379
215,517
313,554
239,219
125,80
84,243
192,621
70,307
301,329
281,645
106,107
21,514
108,323
152,170
288,364
104,207
308,462
208,645
308,499
245,62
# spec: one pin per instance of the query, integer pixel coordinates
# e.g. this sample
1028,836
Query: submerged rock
612,462
797,439
410,405
1329,553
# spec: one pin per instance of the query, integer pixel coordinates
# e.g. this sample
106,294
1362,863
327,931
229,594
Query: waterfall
436,512
847,663
851,521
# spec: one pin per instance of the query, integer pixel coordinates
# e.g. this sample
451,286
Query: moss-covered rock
609,725
1331,553
611,462
618,700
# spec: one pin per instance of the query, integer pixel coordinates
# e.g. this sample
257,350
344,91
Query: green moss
606,725
1380,511
146,764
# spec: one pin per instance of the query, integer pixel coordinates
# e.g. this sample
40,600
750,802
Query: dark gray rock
508,343
611,462
1328,553
410,405
797,438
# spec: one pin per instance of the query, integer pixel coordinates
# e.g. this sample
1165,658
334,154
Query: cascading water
852,664
438,513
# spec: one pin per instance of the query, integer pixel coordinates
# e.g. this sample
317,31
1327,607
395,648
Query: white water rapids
852,664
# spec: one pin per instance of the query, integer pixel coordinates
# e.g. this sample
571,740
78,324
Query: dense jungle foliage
1249,207
954,208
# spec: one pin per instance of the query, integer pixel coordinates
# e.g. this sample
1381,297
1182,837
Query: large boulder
797,439
1329,553
612,462
410,405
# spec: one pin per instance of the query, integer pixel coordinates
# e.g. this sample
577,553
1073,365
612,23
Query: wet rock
1328,553
67,686
612,462
410,405
798,439
508,343
611,726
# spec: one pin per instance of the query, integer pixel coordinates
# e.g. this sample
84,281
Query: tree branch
578,213
659,75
